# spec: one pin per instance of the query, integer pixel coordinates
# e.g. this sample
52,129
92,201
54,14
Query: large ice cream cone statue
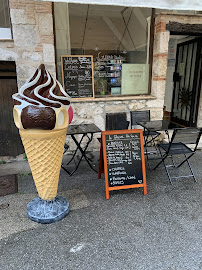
41,114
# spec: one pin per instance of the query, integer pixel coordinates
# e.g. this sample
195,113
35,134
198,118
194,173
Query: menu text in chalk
77,75
124,159
124,164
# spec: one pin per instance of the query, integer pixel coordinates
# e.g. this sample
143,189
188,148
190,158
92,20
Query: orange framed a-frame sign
122,160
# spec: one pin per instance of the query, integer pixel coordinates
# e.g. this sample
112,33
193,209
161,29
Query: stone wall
33,39
95,112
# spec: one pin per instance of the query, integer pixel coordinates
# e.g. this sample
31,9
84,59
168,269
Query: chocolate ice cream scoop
41,103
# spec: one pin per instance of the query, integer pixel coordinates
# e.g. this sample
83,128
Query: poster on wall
135,79
181,69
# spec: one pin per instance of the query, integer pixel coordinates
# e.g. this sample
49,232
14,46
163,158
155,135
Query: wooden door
187,83
10,142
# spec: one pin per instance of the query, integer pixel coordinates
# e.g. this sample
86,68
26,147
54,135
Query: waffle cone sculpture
44,152
41,114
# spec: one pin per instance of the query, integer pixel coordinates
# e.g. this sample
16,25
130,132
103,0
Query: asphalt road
158,231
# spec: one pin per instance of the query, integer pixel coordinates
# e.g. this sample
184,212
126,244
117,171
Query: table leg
62,166
83,151
76,150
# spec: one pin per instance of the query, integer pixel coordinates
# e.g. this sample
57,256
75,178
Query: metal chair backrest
189,136
139,116
116,121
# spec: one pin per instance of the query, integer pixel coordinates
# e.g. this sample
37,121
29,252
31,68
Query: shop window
117,38
5,27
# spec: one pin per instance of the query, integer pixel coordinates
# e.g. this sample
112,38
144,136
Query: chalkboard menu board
77,75
123,155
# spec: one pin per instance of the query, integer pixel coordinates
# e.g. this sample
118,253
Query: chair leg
163,160
173,162
185,159
146,152
156,151
147,157
190,168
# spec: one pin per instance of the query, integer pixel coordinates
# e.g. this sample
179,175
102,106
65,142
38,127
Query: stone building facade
33,43
33,39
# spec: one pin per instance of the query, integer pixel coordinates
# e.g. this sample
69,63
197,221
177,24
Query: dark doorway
10,142
187,83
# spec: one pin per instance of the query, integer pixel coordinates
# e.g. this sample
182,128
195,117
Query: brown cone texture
45,158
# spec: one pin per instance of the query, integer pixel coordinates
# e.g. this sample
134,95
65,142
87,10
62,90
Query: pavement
158,231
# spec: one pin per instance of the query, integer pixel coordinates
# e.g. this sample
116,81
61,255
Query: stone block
99,121
157,114
10,45
159,66
34,56
43,7
46,39
30,17
82,112
48,53
24,36
158,89
161,40
164,39
25,71
96,109
157,103
113,108
137,105
45,22
7,55
132,107
18,16
102,104
20,82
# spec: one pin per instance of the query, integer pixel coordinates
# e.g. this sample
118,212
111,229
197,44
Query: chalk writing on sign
124,159
77,76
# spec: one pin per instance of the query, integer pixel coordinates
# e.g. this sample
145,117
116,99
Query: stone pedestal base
44,212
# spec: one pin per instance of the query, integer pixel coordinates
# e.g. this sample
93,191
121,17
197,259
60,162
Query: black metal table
86,130
157,125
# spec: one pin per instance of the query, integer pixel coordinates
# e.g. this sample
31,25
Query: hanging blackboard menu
124,163
77,75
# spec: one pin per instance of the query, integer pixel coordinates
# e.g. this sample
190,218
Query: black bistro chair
116,121
149,136
184,142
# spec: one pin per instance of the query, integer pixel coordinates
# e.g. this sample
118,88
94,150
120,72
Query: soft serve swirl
41,102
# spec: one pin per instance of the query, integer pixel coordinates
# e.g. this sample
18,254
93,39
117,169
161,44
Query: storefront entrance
10,142
187,82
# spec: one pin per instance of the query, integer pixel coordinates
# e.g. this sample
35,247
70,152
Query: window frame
120,97
10,37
